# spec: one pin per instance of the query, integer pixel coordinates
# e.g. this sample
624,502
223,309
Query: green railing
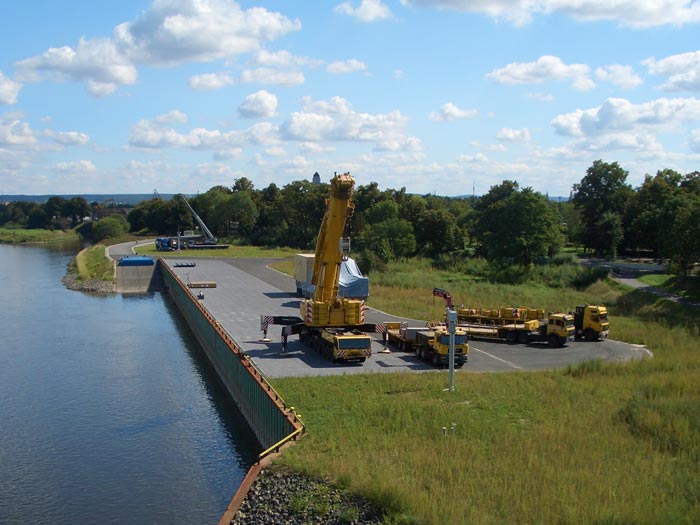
272,421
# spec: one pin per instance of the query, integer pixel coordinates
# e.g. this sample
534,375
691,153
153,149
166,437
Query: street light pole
451,328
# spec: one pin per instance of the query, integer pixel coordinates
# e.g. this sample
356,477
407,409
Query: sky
448,97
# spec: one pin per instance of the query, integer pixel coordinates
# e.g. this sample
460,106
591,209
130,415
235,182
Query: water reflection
109,412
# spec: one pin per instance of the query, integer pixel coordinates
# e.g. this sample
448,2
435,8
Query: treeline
509,224
57,213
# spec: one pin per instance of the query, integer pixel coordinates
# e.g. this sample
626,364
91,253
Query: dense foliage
508,226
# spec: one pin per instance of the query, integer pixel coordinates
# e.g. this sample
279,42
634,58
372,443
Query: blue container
136,260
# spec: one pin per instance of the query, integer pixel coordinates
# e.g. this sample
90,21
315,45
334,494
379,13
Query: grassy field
18,236
92,263
232,251
688,288
596,443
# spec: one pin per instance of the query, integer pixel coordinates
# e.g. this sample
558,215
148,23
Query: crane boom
331,247
209,237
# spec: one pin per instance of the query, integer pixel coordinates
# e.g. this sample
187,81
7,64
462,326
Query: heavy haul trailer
429,343
517,325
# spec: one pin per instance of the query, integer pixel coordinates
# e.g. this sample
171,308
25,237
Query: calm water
109,412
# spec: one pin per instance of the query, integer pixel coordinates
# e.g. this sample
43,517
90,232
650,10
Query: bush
109,227
368,262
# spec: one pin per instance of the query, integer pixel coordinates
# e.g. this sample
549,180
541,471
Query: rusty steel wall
267,414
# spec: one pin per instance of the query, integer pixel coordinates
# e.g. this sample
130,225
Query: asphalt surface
247,289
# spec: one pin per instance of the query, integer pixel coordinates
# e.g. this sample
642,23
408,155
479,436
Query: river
109,410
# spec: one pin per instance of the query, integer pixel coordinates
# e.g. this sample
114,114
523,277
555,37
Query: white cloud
682,70
335,120
270,76
619,75
174,116
98,62
170,32
367,11
9,89
176,31
450,111
694,141
545,68
258,105
77,167
513,135
618,114
283,59
209,81
634,13
542,97
14,132
346,66
68,138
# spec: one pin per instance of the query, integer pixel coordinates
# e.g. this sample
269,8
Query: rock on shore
283,497
70,280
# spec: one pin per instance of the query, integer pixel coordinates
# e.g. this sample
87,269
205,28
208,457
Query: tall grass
595,443
92,263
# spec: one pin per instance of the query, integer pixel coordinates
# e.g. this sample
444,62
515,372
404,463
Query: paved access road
247,288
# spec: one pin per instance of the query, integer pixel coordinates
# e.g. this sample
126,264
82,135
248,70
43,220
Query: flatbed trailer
555,333
430,343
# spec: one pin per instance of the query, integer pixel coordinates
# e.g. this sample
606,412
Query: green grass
20,235
688,288
92,263
594,443
231,251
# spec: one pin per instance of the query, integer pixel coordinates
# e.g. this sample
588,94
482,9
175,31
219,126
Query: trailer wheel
511,337
436,360
522,337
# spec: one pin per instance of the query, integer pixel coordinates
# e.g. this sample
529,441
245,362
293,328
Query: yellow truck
517,325
430,343
591,322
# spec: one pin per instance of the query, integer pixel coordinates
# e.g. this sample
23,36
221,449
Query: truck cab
591,322
560,329
434,346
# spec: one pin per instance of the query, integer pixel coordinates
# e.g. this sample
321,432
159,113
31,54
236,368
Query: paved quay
247,288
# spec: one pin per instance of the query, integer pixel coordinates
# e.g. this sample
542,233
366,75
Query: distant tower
316,179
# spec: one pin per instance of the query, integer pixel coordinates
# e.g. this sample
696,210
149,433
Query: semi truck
430,343
518,325
591,322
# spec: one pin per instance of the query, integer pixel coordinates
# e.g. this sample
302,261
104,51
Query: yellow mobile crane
332,325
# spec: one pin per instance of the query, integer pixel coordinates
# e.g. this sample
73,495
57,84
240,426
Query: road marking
496,358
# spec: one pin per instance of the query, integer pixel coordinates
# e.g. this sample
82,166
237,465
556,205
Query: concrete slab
247,289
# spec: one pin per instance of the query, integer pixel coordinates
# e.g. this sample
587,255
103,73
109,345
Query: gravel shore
70,281
289,498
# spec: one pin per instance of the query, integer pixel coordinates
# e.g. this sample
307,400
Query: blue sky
437,96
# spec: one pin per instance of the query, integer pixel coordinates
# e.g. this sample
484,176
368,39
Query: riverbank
72,281
282,496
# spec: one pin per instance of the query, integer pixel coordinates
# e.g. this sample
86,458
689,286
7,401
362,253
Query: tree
237,208
602,190
685,236
109,228
75,209
304,205
518,225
